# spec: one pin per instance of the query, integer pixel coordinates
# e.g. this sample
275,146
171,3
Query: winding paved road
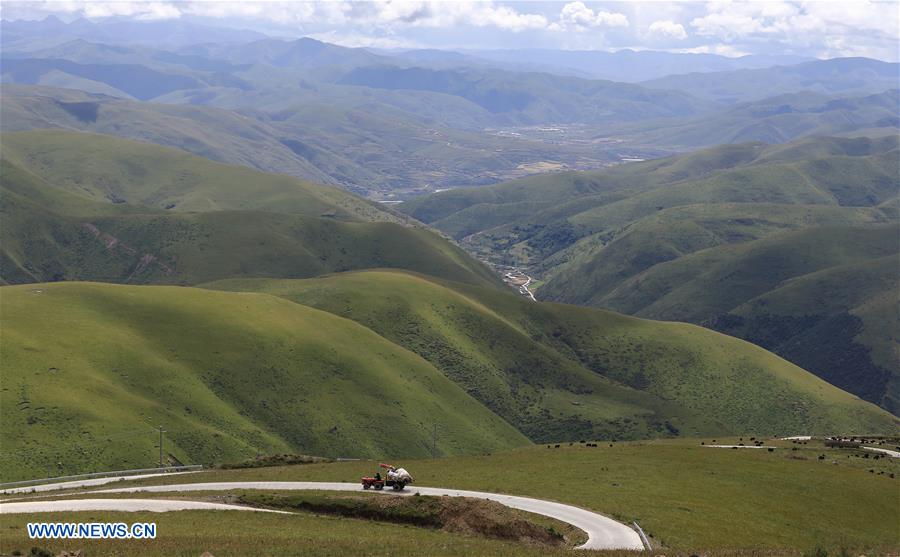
127,505
603,532
84,483
890,453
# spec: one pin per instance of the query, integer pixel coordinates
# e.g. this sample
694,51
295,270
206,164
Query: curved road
603,532
127,505
84,483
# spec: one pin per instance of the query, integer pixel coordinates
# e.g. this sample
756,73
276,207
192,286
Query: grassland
234,534
115,170
690,498
678,379
89,370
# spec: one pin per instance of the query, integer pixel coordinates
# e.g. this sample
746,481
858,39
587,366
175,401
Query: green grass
90,369
837,76
498,359
59,233
858,298
110,169
812,295
713,281
777,119
453,514
563,372
596,265
196,248
238,534
688,497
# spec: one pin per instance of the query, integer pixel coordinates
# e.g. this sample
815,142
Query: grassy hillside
216,134
60,225
530,98
607,238
852,305
811,295
558,371
501,361
90,369
777,119
678,231
837,75
731,274
115,170
195,248
377,143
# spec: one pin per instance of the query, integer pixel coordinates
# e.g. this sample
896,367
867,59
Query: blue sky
810,28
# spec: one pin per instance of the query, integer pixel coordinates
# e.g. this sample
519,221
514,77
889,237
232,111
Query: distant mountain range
627,65
52,31
777,119
394,124
830,77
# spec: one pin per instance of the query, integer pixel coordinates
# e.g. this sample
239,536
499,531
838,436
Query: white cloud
859,27
354,40
576,16
471,13
666,29
720,49
380,13
142,10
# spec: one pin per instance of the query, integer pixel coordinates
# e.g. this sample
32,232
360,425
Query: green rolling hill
607,238
220,135
556,370
835,76
861,322
87,207
363,365
110,169
90,369
776,119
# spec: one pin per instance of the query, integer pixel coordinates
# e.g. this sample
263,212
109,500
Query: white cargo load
401,474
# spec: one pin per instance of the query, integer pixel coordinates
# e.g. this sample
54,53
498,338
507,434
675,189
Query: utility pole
161,431
434,440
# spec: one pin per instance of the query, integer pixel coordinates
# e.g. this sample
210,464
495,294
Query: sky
822,29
